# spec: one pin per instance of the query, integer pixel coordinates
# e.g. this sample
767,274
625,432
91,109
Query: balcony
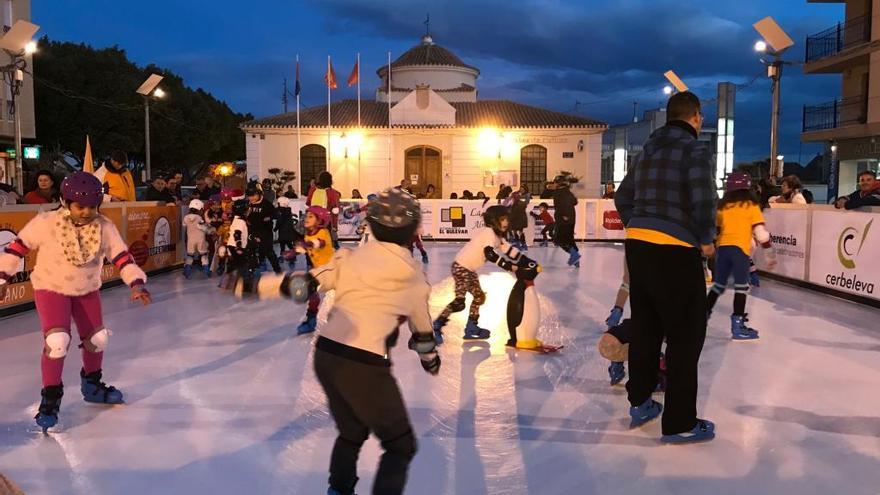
835,114
842,37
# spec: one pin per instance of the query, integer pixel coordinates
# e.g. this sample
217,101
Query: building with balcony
850,123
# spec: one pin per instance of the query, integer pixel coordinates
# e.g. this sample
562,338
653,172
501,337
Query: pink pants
56,311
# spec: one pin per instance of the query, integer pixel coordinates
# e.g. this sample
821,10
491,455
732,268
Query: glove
424,345
493,257
299,286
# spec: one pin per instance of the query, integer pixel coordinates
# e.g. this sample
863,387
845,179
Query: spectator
791,192
269,191
453,196
8,195
609,191
173,184
211,187
355,194
405,185
767,189
868,193
118,181
158,191
431,192
290,193
480,195
503,193
808,196
44,191
667,203
467,194
201,191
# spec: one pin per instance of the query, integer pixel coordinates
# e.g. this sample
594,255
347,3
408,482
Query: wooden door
426,165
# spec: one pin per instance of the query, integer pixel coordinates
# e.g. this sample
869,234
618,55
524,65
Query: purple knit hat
82,188
738,181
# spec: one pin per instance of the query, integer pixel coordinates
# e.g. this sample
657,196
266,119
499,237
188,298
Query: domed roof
427,53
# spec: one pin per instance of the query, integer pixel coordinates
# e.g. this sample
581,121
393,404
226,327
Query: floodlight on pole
676,81
760,46
18,44
147,89
667,90
775,42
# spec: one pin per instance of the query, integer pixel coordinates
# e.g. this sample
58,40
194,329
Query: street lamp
18,44
667,90
775,42
148,89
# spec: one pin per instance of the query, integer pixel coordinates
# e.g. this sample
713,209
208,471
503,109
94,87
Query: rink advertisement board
151,232
608,225
457,219
843,252
788,234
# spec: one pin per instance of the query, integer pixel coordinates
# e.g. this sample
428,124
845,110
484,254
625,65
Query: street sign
31,152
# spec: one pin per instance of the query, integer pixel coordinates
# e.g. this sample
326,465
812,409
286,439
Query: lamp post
149,90
18,44
775,41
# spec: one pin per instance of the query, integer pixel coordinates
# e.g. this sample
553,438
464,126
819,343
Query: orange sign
20,290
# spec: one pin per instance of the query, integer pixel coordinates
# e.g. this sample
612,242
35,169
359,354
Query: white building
439,133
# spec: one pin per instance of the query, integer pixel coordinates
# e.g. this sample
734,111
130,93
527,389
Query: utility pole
774,72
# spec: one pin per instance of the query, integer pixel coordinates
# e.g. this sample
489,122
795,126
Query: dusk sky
551,53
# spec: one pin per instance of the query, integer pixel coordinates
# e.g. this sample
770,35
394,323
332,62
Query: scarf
81,244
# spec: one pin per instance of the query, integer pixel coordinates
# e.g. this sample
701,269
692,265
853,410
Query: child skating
197,231
549,224
318,246
473,255
378,286
285,225
739,220
72,243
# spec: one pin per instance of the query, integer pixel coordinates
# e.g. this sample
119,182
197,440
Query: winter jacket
563,206
670,187
519,220
119,184
259,219
332,203
285,225
163,196
857,199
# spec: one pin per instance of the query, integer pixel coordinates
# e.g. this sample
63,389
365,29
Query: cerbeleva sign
840,253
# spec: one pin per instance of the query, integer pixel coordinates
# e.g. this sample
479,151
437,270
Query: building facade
850,124
431,129
11,11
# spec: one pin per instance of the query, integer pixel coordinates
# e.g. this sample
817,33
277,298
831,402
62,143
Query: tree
280,178
80,90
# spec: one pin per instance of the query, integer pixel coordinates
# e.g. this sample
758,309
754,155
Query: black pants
364,398
565,236
266,249
547,232
668,300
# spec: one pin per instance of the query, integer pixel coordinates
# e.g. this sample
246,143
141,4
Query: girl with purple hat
72,242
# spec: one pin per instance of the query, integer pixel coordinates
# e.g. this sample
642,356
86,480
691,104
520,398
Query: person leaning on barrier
868,193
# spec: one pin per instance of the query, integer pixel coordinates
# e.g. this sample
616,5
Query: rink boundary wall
151,230
867,301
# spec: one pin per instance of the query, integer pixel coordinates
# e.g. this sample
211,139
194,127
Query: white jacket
472,256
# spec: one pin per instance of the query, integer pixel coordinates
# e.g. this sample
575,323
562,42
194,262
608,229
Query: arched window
533,168
312,161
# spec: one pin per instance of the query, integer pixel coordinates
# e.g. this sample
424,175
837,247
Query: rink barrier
151,230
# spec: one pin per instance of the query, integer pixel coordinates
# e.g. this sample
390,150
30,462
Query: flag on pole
355,74
88,162
297,88
330,77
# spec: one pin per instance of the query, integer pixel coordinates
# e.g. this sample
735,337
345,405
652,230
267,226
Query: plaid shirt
670,187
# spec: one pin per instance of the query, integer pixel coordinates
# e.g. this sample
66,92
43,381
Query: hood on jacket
376,269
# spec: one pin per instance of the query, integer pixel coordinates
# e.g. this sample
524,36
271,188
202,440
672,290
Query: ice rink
221,399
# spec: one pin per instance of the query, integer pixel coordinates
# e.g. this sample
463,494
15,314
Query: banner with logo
610,226
20,290
843,252
457,219
152,234
427,208
349,219
788,234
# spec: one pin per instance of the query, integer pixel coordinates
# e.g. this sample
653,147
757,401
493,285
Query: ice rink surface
221,399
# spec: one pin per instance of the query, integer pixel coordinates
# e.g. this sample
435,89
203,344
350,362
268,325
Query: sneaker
646,412
472,331
703,432
616,372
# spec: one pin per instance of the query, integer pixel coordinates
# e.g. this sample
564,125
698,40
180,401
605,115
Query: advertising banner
349,219
457,219
788,234
20,290
589,219
427,207
609,225
843,252
152,233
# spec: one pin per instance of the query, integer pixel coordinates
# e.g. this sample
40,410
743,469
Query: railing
834,114
833,40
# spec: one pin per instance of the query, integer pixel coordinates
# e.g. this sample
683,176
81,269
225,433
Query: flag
330,77
88,163
297,88
353,78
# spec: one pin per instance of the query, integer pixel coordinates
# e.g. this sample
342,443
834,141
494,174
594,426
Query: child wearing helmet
260,218
739,219
378,286
238,247
318,246
481,248
197,231
72,243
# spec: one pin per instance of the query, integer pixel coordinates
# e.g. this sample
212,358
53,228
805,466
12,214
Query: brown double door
424,164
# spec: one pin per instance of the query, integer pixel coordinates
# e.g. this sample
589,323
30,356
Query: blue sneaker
740,330
574,258
187,271
438,325
308,326
616,372
94,390
472,331
47,416
649,410
614,318
703,432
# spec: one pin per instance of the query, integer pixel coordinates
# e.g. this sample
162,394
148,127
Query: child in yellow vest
318,245
739,219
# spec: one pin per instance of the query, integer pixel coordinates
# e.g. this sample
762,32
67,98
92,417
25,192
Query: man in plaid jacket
667,202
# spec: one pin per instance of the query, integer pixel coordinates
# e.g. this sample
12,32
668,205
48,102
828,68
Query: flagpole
390,162
298,145
359,88
327,155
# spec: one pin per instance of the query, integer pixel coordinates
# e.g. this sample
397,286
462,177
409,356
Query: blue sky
551,53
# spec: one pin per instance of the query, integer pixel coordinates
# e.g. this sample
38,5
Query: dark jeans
364,398
266,249
565,236
668,300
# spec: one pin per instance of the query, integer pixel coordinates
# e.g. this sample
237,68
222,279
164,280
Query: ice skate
47,416
614,317
574,258
438,325
740,330
187,271
754,279
703,432
649,410
616,372
308,326
472,331
207,271
425,257
94,390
